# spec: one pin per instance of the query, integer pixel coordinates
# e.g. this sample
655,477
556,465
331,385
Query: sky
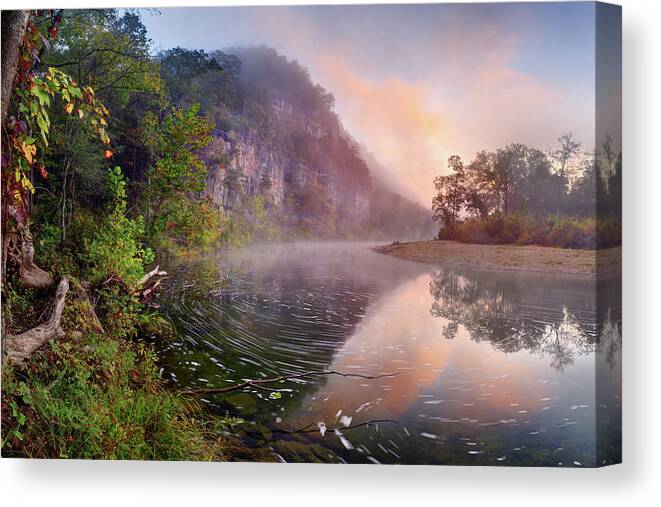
417,83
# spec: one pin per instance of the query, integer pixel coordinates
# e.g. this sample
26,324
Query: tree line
523,187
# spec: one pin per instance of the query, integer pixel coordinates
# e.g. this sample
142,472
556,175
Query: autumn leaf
69,108
29,150
43,172
108,154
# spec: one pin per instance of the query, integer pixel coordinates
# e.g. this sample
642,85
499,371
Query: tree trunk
20,250
14,24
19,348
17,243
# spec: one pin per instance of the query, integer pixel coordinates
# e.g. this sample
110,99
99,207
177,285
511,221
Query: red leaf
43,172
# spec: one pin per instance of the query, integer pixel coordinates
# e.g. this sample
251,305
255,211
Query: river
474,368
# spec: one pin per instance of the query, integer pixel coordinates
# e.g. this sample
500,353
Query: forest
520,195
113,155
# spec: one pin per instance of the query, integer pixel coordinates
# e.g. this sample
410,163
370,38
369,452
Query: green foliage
557,197
30,127
109,50
115,247
250,222
176,176
185,223
552,230
100,398
19,308
179,67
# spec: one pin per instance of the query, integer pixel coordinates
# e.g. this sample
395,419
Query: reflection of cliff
514,316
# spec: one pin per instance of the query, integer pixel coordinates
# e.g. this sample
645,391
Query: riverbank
549,260
95,392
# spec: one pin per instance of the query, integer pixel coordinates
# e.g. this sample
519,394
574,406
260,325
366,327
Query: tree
179,69
480,196
565,156
177,173
27,134
451,193
14,24
108,50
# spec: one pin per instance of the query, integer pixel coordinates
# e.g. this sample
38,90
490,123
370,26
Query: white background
636,482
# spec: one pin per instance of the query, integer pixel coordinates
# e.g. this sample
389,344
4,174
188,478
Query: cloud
395,119
417,100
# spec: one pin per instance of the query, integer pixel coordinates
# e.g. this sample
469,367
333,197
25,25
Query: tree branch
281,378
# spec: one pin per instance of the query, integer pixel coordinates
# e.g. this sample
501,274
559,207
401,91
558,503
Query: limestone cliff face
245,153
245,162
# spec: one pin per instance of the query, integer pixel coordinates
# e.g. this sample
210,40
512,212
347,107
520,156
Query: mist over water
487,368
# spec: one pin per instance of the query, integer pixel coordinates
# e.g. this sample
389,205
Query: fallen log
20,347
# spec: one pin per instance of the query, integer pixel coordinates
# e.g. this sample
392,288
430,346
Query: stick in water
281,378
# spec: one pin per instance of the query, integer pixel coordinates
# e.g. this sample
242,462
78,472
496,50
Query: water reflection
491,368
525,312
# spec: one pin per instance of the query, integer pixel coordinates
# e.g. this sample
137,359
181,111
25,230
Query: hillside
279,147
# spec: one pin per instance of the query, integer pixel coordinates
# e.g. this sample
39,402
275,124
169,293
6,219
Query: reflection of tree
514,316
610,338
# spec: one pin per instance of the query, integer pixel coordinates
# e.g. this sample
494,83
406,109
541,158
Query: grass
98,396
585,233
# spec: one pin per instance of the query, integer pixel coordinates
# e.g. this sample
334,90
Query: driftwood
144,288
148,276
148,284
258,382
21,346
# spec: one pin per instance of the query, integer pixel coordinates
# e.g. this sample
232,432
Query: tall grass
101,399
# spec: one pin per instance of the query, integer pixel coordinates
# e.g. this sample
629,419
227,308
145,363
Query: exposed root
19,348
20,250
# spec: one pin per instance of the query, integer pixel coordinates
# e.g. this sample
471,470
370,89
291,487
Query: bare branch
281,378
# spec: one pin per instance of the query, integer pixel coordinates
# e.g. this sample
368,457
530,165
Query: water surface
483,368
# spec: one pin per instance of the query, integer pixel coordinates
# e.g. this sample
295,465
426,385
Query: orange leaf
43,172
108,154
68,108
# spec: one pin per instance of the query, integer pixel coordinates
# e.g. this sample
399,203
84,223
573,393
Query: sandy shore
509,257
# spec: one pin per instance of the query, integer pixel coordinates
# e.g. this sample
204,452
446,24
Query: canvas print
357,234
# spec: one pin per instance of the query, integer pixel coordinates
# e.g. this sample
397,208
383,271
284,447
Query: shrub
115,247
187,223
553,230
